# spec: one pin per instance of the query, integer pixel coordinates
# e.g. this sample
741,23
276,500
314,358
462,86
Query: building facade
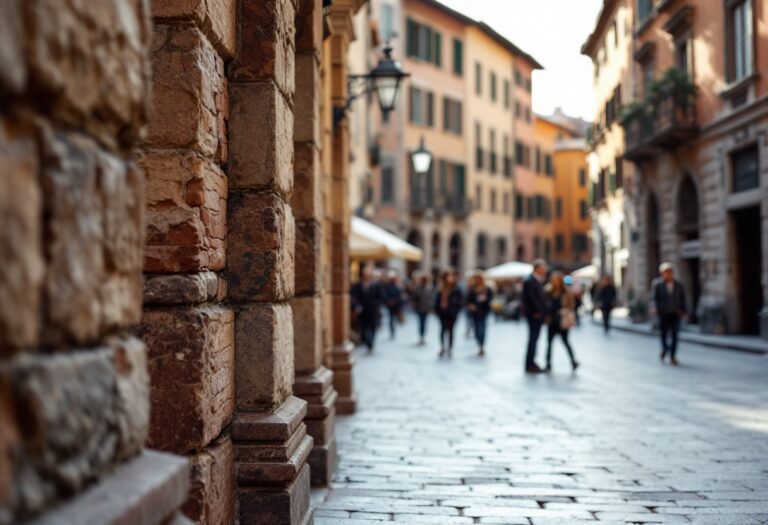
696,135
610,46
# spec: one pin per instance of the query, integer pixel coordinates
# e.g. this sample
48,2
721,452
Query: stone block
309,270
186,217
21,252
188,75
212,495
191,365
216,18
260,247
13,74
261,138
309,28
322,463
307,197
308,99
286,506
273,472
307,333
274,425
265,48
264,356
94,236
90,62
340,318
79,413
180,289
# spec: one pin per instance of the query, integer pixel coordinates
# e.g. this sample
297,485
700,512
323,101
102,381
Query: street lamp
422,158
384,79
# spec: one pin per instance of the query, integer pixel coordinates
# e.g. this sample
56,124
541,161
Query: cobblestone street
625,440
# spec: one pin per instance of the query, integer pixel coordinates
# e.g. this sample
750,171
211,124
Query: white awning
509,270
369,242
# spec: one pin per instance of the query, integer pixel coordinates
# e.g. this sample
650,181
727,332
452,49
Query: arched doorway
455,248
690,247
482,251
436,259
414,237
520,255
652,238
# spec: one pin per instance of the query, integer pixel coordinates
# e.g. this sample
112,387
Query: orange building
571,224
697,136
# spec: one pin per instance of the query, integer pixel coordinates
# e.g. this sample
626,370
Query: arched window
482,249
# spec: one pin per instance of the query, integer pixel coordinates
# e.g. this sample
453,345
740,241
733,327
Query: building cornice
736,119
606,12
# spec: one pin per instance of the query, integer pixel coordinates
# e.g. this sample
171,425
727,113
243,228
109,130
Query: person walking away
465,286
423,302
669,305
606,299
562,317
393,296
479,306
535,310
365,296
448,303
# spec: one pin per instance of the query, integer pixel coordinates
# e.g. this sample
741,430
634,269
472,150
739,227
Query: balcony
457,206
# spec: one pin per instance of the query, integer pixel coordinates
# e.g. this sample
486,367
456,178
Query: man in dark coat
534,309
669,305
366,298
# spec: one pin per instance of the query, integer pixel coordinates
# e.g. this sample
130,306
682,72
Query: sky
552,31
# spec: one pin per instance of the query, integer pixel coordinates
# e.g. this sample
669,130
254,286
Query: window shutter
411,44
437,50
430,109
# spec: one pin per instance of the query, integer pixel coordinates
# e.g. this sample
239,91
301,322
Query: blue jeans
422,323
480,322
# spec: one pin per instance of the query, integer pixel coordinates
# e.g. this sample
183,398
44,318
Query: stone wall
74,388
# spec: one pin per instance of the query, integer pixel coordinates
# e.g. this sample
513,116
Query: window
506,202
549,167
647,77
519,207
506,94
518,110
644,9
507,169
559,242
582,177
493,201
530,208
458,57
584,212
579,242
519,153
423,42
492,152
387,21
387,185
481,245
740,39
745,168
538,160
478,146
452,116
478,79
479,197
519,78
421,107
559,208
493,86
683,53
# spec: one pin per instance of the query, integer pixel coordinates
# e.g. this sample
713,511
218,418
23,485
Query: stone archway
652,238
481,249
688,236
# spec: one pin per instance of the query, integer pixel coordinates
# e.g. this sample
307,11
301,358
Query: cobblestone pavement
624,440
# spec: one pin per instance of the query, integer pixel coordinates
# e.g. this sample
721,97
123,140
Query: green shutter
430,109
461,183
437,59
411,37
427,53
458,57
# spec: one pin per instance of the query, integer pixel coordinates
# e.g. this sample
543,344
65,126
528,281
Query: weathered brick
215,17
94,238
309,271
90,59
307,199
260,247
13,74
21,254
180,289
186,218
191,365
188,76
307,333
261,138
264,359
265,49
212,495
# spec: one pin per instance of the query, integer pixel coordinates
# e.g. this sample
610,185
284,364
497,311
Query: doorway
749,263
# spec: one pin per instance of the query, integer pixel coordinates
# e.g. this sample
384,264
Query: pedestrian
466,284
669,305
561,316
365,297
448,303
535,310
606,299
479,306
393,297
423,302
577,290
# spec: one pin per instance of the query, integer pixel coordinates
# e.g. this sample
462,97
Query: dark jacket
481,301
606,297
453,308
667,303
366,300
424,298
534,299
393,296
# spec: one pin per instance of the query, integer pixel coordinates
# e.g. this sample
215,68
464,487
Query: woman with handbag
561,318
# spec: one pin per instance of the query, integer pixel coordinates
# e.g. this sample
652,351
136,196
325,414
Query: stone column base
271,465
146,490
317,390
343,361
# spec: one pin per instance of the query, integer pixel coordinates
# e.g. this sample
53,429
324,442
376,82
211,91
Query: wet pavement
624,440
